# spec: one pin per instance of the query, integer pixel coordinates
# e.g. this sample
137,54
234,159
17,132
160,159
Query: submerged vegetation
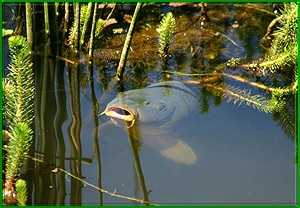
283,53
283,50
166,32
206,54
281,56
18,91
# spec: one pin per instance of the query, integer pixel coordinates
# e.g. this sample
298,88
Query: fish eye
161,107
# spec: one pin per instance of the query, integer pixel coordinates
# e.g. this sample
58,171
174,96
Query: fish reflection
156,111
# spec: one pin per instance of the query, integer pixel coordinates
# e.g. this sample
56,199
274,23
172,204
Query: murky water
243,156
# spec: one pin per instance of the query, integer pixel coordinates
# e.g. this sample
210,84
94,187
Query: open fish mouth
121,113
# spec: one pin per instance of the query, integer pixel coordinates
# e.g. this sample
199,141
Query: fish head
153,113
142,106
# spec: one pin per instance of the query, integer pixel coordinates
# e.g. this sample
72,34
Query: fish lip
112,111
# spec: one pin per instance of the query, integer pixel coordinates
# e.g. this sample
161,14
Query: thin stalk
111,12
93,32
67,16
262,86
56,7
56,27
225,36
254,7
121,67
46,16
29,24
272,24
292,88
77,25
33,7
91,185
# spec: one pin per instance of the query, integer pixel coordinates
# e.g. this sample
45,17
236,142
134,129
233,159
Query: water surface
243,155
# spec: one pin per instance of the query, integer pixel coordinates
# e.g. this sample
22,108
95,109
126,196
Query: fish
155,112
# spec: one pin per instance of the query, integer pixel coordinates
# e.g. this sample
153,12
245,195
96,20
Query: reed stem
121,67
67,16
29,31
46,16
93,32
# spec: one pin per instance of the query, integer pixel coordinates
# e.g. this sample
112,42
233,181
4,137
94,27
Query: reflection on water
166,152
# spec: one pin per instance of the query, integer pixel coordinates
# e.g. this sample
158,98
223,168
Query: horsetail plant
166,32
18,92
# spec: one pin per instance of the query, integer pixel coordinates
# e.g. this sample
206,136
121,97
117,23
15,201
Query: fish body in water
156,111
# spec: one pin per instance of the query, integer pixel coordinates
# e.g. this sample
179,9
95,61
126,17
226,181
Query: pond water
243,156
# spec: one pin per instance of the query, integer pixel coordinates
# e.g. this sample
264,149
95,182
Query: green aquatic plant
284,47
76,26
85,15
275,103
85,18
99,28
282,55
18,92
18,87
243,97
166,32
21,189
20,140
